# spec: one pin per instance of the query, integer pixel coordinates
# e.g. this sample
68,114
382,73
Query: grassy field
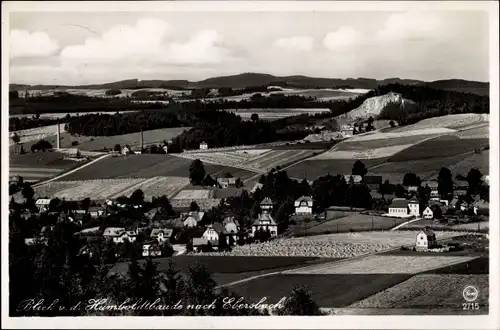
354,222
312,169
307,145
326,290
458,121
429,291
439,147
378,143
39,165
480,161
143,166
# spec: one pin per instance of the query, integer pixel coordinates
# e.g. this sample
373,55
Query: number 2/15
470,306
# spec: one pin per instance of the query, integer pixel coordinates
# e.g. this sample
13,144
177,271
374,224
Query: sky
69,48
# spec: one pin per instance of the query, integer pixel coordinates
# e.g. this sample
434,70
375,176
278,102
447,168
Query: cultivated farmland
312,169
35,134
270,114
429,291
459,121
39,165
368,153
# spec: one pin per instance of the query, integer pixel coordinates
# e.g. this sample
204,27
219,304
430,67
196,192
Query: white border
326,322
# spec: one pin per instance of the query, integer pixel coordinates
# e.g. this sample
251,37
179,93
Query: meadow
312,169
39,165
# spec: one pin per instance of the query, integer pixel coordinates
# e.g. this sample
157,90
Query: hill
459,85
374,106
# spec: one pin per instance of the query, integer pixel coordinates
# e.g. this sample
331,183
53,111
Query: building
428,213
426,239
399,208
347,131
226,182
199,243
412,188
165,149
373,182
119,235
414,207
486,179
265,221
126,150
303,205
356,179
231,225
203,146
161,235
214,233
433,185
460,188
42,204
192,218
96,211
151,250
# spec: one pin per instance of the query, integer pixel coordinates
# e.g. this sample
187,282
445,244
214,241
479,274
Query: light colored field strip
386,264
31,174
34,169
130,188
72,171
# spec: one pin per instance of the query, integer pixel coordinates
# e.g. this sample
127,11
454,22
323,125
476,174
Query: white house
426,239
303,205
414,207
42,204
165,149
226,182
428,214
356,179
126,150
347,130
95,211
231,225
119,235
398,207
211,234
203,146
151,250
265,221
161,235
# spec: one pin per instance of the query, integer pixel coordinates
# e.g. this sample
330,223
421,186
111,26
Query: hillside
459,85
374,106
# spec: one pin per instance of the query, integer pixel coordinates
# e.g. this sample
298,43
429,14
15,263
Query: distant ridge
260,79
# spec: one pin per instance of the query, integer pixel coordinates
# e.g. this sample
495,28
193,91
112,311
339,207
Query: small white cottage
303,205
203,146
426,239
428,214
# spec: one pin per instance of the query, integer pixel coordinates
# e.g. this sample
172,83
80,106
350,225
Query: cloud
343,37
25,44
296,43
148,41
410,26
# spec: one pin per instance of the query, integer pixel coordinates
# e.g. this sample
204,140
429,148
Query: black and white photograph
264,160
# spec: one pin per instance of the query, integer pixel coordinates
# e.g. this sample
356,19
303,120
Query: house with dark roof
226,182
265,221
401,207
373,181
161,235
426,239
433,185
460,188
231,225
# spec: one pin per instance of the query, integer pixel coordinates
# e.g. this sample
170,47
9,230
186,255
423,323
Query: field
366,153
480,132
480,161
258,160
326,290
439,147
404,133
274,113
35,134
39,165
143,166
354,222
459,121
110,188
384,264
312,169
353,145
429,291
193,194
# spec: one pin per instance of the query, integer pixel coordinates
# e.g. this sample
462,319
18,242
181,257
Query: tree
300,302
392,123
196,172
28,192
201,289
359,168
194,206
209,181
254,117
137,197
117,147
445,182
411,179
474,178
369,126
385,188
400,191
16,138
85,203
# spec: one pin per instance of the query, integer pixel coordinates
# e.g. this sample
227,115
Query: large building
265,221
303,205
401,207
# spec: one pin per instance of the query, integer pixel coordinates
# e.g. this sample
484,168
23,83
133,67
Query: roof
42,201
173,223
431,184
413,200
113,231
461,184
89,230
166,232
264,217
399,203
230,220
372,179
228,192
197,241
95,208
228,180
219,228
355,178
266,201
256,186
304,198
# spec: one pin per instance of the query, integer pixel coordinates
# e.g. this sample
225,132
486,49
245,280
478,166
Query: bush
74,143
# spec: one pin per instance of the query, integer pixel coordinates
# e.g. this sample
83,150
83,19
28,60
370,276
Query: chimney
142,141
58,135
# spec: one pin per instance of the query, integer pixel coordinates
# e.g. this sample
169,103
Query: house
203,146
193,218
356,179
414,206
412,188
426,239
151,249
42,204
347,131
126,150
213,233
486,179
119,235
428,213
151,214
87,231
96,211
373,182
226,182
433,185
460,188
231,225
265,221
36,241
199,242
303,205
399,208
161,234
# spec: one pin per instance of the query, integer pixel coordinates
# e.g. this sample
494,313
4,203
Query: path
405,223
71,172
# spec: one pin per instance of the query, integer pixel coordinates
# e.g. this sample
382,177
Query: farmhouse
400,207
303,205
265,221
203,146
213,233
192,218
434,188
119,235
151,250
373,182
226,182
414,206
356,179
347,131
426,239
42,204
126,150
95,211
428,213
161,234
